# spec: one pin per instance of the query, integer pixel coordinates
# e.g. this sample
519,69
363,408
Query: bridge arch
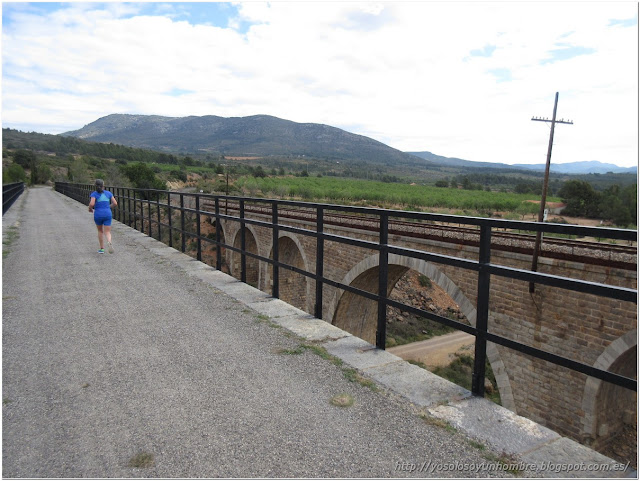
295,289
358,315
223,250
600,415
251,245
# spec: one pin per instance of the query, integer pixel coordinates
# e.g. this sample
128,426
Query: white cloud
402,73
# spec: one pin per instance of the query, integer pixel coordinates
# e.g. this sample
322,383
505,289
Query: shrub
15,173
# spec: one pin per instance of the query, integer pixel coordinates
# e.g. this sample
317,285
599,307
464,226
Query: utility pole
545,185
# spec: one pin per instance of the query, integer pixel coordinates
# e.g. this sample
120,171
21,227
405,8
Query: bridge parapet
341,263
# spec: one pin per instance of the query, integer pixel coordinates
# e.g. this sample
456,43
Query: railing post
169,219
218,236
182,222
158,212
275,289
319,261
149,211
135,207
243,245
383,274
482,318
129,207
199,254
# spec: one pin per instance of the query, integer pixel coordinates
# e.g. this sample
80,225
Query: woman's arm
92,203
113,201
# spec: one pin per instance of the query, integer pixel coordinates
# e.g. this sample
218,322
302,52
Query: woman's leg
107,232
100,236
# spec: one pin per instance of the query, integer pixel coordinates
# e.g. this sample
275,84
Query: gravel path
436,351
110,356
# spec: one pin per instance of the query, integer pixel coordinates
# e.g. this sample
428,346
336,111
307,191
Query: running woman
100,205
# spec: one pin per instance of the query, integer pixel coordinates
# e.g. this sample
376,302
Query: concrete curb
537,449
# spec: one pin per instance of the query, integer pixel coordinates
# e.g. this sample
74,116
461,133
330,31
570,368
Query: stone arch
251,245
367,269
223,250
620,357
295,288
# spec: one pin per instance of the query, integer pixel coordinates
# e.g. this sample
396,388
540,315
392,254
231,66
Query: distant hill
455,162
258,135
588,167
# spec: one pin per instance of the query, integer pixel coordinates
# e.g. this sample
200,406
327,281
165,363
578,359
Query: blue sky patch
176,92
215,14
501,74
627,22
566,53
485,51
196,13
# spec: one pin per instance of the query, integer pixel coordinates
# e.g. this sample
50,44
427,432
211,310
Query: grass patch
342,400
441,423
353,376
265,319
6,401
460,372
417,363
9,238
424,281
477,445
349,373
323,353
141,460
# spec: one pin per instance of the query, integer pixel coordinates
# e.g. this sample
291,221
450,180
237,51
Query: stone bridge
594,330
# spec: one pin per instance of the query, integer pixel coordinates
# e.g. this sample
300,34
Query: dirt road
437,351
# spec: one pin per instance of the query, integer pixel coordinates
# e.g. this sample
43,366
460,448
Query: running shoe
100,251
110,247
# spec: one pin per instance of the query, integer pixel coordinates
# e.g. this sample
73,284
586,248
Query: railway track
585,251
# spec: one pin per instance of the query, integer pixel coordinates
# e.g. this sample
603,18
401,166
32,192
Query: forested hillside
40,158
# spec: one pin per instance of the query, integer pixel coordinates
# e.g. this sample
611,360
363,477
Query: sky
458,79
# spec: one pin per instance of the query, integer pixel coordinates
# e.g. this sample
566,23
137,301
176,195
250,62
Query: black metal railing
10,192
131,211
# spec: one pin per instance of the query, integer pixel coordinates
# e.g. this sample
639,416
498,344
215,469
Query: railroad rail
584,251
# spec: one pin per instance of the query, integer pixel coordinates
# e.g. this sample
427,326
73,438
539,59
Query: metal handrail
10,193
483,266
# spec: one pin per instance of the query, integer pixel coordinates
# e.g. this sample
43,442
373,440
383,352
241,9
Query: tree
143,177
25,158
581,199
259,172
619,205
442,183
40,174
79,171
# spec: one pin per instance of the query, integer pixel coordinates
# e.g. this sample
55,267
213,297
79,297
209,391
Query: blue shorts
102,220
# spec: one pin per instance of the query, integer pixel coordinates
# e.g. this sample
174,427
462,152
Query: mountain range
257,135
586,167
268,136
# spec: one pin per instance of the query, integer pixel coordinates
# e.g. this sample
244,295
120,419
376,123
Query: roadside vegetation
39,158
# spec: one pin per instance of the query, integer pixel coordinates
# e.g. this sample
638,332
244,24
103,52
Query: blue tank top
102,206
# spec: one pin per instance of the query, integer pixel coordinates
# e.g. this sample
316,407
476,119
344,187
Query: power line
545,185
